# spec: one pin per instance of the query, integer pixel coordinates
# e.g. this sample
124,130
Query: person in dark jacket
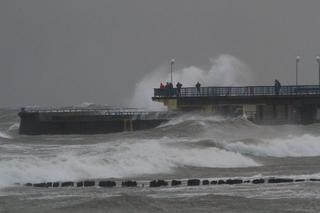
162,91
277,87
167,89
198,85
171,89
179,86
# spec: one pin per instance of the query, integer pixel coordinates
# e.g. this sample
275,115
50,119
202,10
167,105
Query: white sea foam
224,70
85,104
292,146
118,159
91,105
14,126
4,135
201,119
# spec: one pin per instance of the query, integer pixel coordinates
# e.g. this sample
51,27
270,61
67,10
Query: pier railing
84,110
239,91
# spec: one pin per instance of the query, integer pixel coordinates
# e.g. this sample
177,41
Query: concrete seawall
40,122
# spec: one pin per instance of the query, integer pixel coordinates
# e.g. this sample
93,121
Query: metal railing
84,110
239,91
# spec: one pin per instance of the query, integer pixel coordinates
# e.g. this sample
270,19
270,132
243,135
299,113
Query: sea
191,146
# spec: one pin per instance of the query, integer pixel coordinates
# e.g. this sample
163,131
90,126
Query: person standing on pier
162,89
179,85
171,93
277,87
167,89
198,85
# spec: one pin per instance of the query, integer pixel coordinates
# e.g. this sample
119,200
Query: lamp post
318,60
297,61
172,62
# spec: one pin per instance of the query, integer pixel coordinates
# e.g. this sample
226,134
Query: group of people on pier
166,90
169,90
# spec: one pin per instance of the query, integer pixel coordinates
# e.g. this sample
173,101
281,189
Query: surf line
169,183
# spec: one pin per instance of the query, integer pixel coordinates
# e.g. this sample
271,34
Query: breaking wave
114,160
5,135
239,135
14,126
195,118
291,146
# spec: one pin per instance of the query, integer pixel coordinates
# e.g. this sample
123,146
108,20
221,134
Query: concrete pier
86,121
261,104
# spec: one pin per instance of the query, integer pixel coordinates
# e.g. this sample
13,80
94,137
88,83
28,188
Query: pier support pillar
171,104
308,114
259,114
274,111
286,112
127,125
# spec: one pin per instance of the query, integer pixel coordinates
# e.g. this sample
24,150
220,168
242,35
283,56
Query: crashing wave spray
226,70
4,135
291,146
117,159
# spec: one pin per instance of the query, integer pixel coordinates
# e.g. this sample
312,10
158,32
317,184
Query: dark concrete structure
193,182
176,182
261,104
86,121
129,183
158,183
107,183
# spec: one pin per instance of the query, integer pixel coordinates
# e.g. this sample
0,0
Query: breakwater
41,121
170,183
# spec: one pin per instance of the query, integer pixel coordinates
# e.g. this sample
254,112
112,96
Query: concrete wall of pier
261,110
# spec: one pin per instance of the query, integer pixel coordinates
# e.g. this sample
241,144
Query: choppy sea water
191,146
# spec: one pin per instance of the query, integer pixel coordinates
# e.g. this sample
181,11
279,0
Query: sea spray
291,146
14,127
4,135
193,117
226,70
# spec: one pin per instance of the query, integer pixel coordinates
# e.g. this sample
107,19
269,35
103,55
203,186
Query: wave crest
291,146
116,159
5,135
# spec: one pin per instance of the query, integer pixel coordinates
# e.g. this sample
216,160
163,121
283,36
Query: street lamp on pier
297,61
318,60
172,62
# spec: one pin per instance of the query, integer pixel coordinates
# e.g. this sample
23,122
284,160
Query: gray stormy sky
63,52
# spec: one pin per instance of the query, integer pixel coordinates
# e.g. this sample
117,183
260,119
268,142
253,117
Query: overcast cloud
65,52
